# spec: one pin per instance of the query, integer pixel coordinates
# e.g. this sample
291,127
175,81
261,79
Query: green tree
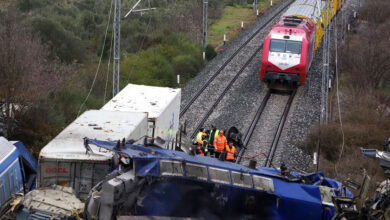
63,43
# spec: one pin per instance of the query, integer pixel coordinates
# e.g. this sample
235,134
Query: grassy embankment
230,21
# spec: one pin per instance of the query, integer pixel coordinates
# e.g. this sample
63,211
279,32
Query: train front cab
281,61
287,55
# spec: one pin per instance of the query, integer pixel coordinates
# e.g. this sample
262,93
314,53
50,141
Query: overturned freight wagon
18,171
162,105
159,182
66,161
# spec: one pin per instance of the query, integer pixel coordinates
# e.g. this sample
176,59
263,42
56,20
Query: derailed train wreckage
159,182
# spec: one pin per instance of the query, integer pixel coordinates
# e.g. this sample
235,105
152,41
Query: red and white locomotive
288,49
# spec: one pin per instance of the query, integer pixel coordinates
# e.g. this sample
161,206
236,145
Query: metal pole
324,71
318,155
205,3
328,66
117,39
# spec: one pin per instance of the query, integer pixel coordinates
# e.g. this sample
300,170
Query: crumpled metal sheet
56,200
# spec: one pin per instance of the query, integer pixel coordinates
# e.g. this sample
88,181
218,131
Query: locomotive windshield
285,46
277,45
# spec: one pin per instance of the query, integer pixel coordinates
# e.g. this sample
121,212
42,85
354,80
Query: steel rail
199,92
208,113
252,127
278,133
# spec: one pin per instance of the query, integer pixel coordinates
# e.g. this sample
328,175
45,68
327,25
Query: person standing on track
220,143
212,134
230,152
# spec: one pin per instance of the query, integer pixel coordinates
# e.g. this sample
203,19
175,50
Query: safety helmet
221,132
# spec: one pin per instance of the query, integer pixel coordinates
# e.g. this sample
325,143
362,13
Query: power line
100,60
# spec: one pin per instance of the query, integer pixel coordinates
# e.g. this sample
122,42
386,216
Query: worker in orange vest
230,152
220,143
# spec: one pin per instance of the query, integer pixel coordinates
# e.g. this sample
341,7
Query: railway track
210,110
277,106
225,66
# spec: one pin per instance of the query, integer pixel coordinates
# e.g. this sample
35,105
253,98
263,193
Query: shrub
151,68
169,54
27,5
330,139
210,52
63,43
187,66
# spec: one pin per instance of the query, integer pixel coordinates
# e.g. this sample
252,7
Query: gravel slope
210,94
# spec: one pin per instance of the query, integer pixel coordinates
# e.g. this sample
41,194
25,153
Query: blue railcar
159,182
17,170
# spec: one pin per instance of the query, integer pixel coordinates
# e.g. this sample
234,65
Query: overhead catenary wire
100,61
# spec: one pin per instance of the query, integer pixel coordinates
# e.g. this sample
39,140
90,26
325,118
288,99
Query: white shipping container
162,105
65,160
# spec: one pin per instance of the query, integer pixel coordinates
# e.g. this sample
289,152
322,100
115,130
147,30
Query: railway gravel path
239,105
266,128
211,93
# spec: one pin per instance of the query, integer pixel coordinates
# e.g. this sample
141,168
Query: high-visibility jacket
230,152
213,135
199,137
219,143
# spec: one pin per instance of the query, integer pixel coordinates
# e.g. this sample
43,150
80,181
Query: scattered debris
53,202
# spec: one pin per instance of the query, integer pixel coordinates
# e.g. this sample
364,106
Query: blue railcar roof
137,151
8,153
25,153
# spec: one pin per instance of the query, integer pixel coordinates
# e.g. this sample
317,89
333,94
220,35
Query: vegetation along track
267,125
228,66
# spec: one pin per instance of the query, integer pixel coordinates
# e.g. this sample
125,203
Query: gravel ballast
239,105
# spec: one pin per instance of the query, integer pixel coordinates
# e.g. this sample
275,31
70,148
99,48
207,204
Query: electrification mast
205,4
325,68
117,40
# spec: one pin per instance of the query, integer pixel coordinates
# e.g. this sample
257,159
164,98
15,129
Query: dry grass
365,125
352,166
